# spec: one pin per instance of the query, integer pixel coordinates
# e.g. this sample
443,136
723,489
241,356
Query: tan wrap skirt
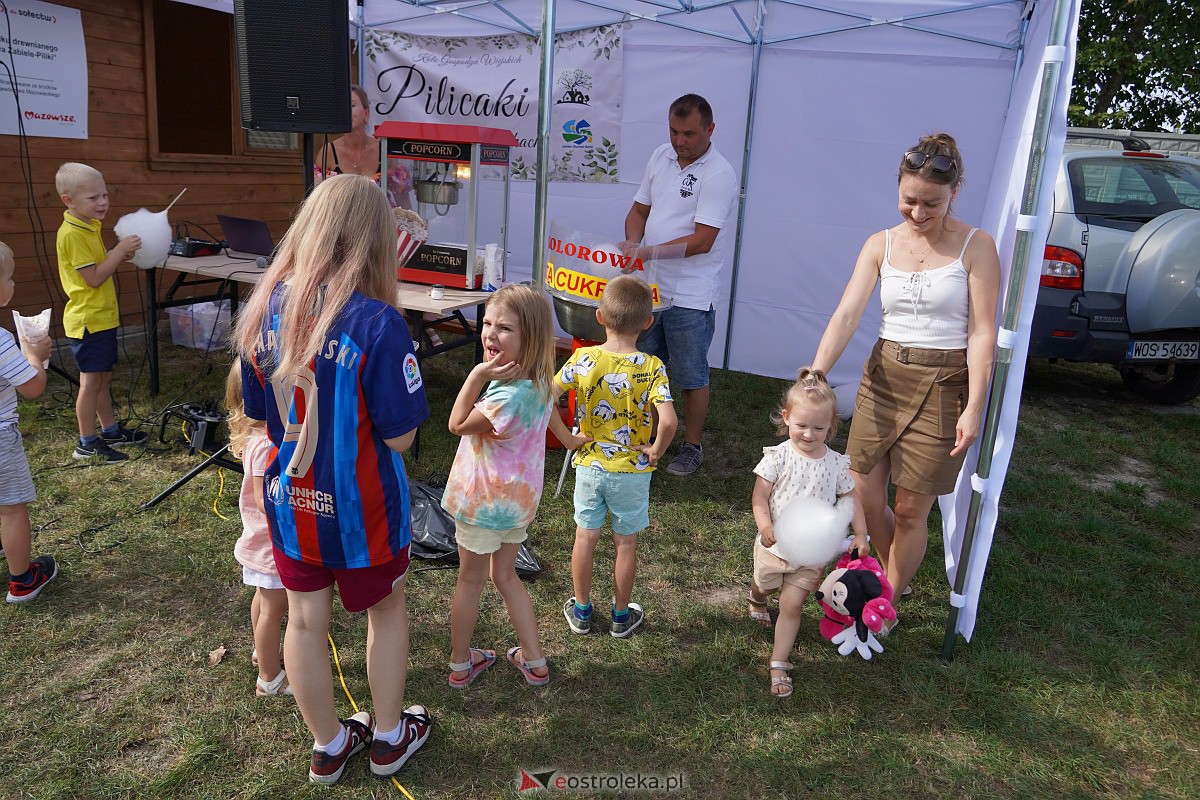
907,411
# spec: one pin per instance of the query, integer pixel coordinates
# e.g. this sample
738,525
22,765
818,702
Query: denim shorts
96,352
625,494
681,337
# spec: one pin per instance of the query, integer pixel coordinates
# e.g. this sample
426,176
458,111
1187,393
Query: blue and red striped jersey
336,494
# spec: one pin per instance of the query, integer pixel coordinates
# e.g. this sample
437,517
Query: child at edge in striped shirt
20,371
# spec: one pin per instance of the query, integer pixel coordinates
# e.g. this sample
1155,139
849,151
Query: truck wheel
1167,384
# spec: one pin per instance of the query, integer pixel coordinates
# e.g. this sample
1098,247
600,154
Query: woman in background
357,152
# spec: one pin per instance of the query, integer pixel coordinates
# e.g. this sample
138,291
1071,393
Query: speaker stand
310,164
219,458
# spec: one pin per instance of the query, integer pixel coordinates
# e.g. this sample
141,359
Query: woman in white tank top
920,403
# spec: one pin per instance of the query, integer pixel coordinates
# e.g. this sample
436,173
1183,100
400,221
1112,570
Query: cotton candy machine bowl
578,319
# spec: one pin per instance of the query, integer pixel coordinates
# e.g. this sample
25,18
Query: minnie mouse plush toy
856,598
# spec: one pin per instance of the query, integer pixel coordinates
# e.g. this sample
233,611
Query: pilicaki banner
492,81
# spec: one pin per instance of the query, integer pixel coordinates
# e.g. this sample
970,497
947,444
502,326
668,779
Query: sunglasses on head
915,161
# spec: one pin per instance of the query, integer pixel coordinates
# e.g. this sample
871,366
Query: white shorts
262,580
485,541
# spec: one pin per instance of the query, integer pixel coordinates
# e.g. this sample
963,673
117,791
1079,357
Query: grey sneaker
687,460
98,449
623,629
123,437
578,624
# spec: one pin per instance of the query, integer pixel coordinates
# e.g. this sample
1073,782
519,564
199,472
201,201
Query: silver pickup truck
1120,279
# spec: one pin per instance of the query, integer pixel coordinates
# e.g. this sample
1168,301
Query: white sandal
273,688
782,680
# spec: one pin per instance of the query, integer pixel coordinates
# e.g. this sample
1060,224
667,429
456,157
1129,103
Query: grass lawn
1081,680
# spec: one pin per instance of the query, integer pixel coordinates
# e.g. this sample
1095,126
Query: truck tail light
1062,269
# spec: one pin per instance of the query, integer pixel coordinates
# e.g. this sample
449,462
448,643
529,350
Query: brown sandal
759,614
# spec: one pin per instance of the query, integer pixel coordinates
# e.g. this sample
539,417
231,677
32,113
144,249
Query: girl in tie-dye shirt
496,480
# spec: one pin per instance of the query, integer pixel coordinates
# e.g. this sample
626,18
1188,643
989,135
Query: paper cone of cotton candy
155,233
810,532
33,329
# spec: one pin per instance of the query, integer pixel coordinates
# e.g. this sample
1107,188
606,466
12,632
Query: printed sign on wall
44,44
492,81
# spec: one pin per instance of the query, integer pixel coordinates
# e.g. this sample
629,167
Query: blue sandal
472,667
527,667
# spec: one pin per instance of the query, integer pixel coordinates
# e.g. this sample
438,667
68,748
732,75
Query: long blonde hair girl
532,310
240,426
342,241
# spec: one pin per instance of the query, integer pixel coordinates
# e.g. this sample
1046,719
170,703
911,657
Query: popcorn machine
460,180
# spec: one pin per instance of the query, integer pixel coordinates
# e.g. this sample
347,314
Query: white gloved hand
847,641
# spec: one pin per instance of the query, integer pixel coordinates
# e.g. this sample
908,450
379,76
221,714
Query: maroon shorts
359,588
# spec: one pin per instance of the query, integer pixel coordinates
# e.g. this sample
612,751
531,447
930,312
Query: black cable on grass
89,534
35,530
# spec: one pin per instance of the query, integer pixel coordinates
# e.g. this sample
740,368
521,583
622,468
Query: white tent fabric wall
823,178
844,87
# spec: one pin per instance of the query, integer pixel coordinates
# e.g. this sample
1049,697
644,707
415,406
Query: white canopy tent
814,103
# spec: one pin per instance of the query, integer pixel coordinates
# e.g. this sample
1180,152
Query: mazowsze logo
687,185
50,117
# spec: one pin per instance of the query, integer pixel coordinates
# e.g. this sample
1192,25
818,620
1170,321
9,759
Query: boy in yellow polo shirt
92,317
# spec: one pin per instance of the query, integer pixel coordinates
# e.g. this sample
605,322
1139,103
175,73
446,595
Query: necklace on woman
920,259
358,152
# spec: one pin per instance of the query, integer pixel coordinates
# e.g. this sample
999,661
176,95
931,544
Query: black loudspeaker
294,65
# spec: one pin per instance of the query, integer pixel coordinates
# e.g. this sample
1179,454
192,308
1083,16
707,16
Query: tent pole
540,198
1008,335
751,105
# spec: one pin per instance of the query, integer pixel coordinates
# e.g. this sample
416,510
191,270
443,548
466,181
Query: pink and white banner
492,81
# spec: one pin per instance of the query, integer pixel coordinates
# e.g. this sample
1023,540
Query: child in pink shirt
248,440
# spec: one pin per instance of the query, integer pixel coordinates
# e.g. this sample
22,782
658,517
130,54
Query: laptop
246,235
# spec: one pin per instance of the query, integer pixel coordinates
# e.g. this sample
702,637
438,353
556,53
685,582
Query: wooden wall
119,146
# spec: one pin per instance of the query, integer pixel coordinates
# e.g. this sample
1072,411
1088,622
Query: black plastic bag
433,530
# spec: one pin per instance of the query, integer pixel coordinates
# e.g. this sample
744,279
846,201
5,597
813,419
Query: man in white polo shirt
688,197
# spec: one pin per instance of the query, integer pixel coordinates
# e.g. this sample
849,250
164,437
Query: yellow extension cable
337,662
220,475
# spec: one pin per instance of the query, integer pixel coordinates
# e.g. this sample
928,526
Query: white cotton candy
155,232
33,329
810,532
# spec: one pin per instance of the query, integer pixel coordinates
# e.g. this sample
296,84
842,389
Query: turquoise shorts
625,494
